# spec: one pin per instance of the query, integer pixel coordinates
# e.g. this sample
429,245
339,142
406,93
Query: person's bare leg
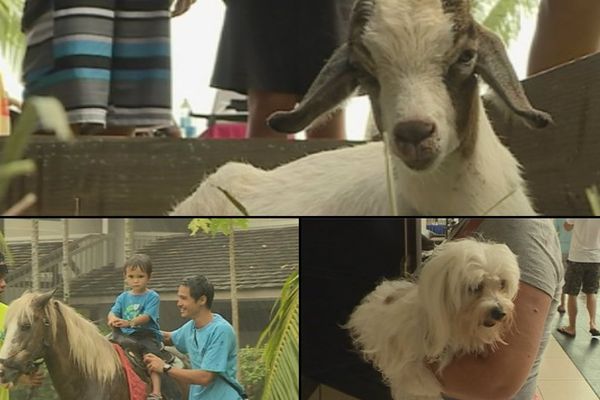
261,105
333,128
572,311
155,378
566,30
591,307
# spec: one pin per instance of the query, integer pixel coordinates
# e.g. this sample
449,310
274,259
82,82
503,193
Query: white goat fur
407,40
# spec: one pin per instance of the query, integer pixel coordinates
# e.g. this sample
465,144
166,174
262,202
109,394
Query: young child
135,312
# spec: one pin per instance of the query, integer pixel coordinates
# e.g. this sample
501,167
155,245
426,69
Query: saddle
133,350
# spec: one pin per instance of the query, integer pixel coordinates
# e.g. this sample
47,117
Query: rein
31,366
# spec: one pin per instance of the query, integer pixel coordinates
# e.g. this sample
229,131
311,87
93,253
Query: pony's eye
467,56
26,326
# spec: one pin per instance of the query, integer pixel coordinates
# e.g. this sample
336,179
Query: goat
419,63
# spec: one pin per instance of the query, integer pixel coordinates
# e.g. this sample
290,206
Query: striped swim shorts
107,61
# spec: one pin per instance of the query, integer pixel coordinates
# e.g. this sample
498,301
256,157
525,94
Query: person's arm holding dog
510,368
501,374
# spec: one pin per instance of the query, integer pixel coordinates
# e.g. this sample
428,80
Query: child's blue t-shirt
129,306
210,348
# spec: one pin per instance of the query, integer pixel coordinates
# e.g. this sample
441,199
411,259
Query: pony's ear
42,300
496,70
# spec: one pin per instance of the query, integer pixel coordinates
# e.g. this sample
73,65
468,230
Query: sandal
595,333
564,331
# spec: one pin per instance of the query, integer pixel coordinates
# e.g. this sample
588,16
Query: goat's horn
495,68
335,83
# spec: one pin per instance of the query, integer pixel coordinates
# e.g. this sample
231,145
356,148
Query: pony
82,363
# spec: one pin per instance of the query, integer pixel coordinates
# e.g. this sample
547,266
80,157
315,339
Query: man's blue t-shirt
129,306
210,348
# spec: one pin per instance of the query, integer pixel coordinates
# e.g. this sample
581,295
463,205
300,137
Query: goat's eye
467,56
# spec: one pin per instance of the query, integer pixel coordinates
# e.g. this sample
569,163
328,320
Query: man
34,379
583,271
209,341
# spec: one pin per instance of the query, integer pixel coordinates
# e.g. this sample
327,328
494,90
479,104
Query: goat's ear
336,82
495,68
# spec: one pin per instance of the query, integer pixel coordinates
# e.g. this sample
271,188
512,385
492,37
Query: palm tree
281,341
227,227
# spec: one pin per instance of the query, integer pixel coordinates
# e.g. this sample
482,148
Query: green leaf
281,341
593,195
503,16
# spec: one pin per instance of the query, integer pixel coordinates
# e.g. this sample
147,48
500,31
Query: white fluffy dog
462,304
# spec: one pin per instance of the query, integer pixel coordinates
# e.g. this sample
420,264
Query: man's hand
181,6
154,363
167,338
34,379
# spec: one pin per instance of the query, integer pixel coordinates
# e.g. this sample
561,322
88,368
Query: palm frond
281,340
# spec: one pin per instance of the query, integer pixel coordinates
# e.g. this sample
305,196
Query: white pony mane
93,354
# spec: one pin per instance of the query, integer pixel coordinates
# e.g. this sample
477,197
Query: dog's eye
477,289
502,284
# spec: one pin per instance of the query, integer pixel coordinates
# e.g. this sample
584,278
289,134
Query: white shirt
585,243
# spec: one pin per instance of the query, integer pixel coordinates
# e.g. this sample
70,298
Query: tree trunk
35,264
129,245
234,303
66,261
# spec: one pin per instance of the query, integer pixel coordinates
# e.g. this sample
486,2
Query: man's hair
141,261
200,286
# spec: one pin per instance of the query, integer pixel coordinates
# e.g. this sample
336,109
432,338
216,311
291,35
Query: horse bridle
33,363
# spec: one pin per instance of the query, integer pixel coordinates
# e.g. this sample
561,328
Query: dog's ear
436,301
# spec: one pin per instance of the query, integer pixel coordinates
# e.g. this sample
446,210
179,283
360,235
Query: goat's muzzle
415,143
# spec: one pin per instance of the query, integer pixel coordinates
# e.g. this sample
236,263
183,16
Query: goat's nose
497,313
413,131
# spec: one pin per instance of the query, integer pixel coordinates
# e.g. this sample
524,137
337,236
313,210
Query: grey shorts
581,276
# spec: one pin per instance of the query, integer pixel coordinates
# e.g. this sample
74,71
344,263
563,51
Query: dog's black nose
497,313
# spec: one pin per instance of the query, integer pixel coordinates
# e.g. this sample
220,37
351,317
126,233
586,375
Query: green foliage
213,226
281,343
12,41
252,370
5,250
38,112
503,16
593,195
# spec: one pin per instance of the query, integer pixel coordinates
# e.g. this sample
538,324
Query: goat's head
418,61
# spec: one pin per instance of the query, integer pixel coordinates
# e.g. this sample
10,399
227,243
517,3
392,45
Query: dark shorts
581,276
278,45
147,341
